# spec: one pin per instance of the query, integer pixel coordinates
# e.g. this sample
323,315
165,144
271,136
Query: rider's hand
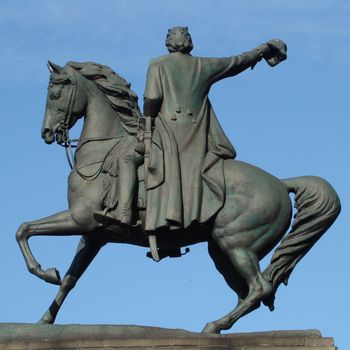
276,53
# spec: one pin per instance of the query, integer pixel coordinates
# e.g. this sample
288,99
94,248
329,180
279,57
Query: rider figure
185,177
185,181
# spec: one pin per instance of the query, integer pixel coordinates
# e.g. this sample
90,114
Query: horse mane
116,89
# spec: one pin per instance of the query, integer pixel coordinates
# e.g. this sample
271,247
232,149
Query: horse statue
254,219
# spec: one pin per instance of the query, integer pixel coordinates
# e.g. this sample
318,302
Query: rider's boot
126,191
122,214
106,216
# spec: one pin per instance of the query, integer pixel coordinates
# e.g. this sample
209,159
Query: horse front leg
87,249
60,224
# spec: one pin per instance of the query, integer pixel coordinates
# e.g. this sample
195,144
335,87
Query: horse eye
55,96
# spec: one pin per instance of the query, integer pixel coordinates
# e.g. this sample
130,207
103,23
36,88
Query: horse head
65,103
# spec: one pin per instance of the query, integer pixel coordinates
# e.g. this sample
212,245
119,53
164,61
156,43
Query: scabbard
147,139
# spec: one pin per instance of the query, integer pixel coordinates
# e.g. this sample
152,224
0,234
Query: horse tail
317,206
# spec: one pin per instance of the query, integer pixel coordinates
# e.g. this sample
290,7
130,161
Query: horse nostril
46,133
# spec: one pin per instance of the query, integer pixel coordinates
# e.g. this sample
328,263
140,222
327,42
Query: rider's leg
127,176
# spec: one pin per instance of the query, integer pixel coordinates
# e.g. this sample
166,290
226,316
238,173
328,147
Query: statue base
16,336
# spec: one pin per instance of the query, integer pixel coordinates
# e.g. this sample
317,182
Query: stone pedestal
106,337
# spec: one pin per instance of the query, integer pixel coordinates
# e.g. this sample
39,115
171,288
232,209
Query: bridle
62,132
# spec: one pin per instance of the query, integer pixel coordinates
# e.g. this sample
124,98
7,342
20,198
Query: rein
100,168
69,151
71,157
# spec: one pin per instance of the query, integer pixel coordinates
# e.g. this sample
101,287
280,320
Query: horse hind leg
246,263
225,267
88,248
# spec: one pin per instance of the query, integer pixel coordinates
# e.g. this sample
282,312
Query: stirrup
169,253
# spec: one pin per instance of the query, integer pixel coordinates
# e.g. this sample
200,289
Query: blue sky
291,120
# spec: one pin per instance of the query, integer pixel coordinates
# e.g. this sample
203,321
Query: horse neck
101,123
101,120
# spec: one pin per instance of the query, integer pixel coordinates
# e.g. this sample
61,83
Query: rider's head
179,39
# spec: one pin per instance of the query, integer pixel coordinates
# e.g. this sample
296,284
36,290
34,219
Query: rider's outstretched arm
220,68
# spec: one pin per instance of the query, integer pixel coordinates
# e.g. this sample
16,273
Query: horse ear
53,67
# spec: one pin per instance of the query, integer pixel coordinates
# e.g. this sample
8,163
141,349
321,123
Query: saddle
109,200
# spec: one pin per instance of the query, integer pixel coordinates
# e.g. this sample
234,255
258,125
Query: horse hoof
211,328
270,302
52,275
46,319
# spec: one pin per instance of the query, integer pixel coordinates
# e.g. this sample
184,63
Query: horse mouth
48,136
53,135
49,140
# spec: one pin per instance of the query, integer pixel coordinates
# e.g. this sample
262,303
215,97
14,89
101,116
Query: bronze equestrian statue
190,189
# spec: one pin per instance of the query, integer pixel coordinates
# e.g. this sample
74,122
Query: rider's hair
179,39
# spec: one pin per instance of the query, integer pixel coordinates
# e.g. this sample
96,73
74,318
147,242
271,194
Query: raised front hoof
270,302
52,275
211,328
46,319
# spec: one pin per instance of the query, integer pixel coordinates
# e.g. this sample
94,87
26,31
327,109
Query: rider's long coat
185,180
